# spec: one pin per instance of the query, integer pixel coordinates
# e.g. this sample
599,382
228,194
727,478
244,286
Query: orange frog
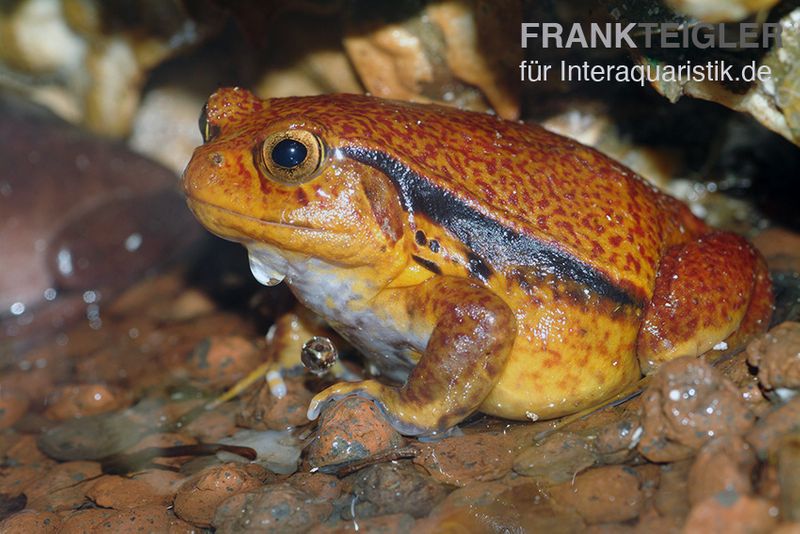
484,264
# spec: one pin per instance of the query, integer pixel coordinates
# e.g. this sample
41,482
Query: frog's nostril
217,159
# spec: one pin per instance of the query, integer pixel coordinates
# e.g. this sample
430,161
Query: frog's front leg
471,339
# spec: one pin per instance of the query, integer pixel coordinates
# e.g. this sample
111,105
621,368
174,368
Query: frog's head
271,173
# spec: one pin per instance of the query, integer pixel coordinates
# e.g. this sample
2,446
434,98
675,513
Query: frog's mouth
267,264
232,225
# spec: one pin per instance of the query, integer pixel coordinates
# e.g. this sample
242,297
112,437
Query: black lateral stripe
493,244
428,264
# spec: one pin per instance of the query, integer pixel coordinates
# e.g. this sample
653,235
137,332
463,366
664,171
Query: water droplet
133,242
64,260
18,308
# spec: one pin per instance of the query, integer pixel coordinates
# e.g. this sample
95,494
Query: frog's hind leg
711,290
473,333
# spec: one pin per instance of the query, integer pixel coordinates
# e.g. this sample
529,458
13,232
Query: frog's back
524,183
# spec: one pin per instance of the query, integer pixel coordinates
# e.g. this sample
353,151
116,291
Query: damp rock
62,487
776,355
80,400
13,405
327,487
198,497
350,430
459,460
264,411
91,437
603,494
723,464
385,524
789,476
615,442
731,512
556,459
496,507
123,493
394,487
687,403
765,436
222,361
149,518
672,497
30,522
275,508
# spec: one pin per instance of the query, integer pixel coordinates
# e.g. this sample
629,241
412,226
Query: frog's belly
391,343
568,355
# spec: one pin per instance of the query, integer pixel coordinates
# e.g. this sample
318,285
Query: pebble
13,405
460,460
149,518
80,400
496,507
558,458
603,494
265,411
687,403
732,513
275,508
723,464
391,488
126,493
62,487
198,498
350,430
31,522
789,476
221,361
765,436
91,437
776,355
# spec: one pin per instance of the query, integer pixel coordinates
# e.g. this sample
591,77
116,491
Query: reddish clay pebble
13,405
460,460
350,430
221,361
320,485
62,487
80,400
273,508
199,496
265,411
723,464
776,355
557,458
394,487
766,435
687,403
732,513
143,519
123,493
31,522
602,494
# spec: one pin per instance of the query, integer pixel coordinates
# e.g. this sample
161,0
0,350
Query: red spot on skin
615,240
541,220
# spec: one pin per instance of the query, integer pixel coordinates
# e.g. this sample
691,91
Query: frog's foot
465,355
385,397
708,293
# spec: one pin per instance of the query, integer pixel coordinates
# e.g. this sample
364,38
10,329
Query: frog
478,264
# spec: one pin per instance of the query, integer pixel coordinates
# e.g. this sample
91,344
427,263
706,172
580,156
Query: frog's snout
201,174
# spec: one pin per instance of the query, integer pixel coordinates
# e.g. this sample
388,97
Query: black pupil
289,153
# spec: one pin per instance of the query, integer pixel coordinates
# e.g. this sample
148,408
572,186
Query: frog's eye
292,156
207,130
